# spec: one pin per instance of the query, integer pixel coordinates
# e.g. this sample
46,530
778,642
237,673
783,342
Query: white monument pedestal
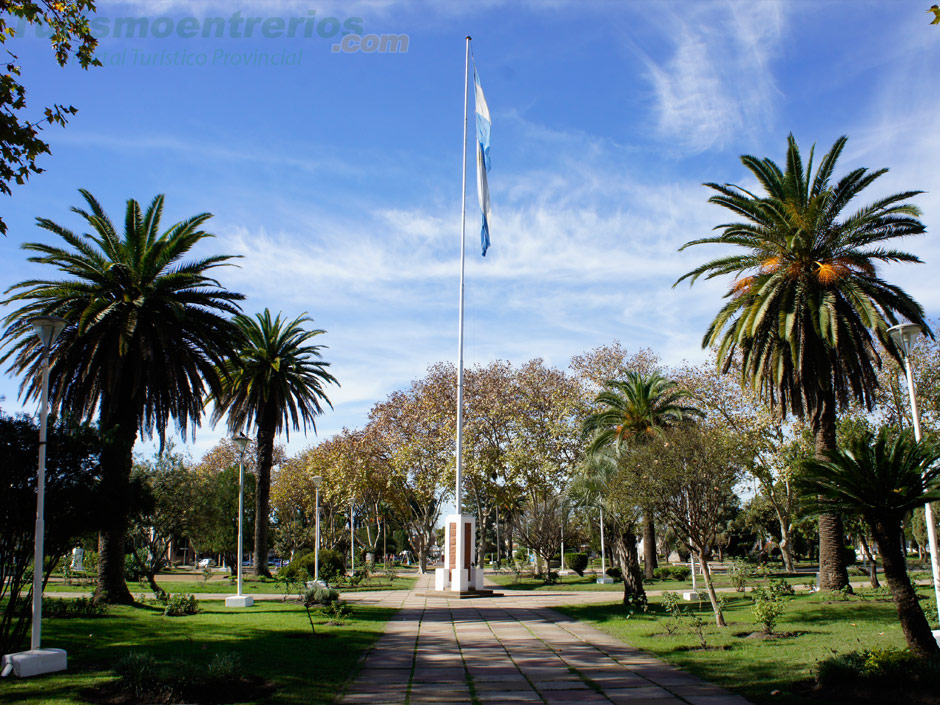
459,573
239,601
605,580
690,595
34,662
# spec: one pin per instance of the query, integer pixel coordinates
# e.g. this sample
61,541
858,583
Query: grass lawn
273,641
756,667
589,582
221,585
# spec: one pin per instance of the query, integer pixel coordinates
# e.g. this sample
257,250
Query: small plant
206,574
615,573
680,572
337,611
739,572
325,600
549,577
670,603
224,667
180,606
696,625
770,603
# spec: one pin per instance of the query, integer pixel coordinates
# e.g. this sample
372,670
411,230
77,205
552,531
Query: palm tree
144,334
882,479
631,412
599,485
275,381
807,303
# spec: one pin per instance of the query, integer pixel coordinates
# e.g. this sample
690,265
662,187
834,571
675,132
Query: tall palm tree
631,412
599,485
145,331
275,380
807,303
882,479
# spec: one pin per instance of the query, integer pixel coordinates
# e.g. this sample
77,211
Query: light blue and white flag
483,158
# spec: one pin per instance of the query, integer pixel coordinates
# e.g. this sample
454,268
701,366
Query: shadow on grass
310,670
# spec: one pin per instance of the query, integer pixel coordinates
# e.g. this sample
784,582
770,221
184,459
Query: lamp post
352,541
904,336
38,660
316,546
241,441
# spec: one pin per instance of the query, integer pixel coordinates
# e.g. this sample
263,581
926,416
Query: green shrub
664,572
576,562
302,568
78,607
332,565
180,606
877,667
680,572
615,572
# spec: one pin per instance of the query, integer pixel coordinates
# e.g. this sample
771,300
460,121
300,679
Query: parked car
205,563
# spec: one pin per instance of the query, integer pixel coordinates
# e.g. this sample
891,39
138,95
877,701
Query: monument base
463,595
34,662
605,581
239,601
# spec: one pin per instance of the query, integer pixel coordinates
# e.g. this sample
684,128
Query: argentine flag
483,158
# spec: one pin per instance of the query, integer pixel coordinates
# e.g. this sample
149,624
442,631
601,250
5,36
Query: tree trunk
913,622
629,559
833,572
650,562
710,589
116,462
785,551
872,563
266,432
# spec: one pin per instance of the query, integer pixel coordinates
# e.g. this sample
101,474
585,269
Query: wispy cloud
715,81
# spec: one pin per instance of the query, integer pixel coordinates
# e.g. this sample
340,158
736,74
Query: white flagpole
463,238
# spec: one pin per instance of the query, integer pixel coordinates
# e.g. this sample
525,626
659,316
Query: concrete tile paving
512,649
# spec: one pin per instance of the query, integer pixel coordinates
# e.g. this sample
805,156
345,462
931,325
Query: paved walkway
512,649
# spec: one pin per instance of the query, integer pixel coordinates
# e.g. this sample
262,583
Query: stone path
512,649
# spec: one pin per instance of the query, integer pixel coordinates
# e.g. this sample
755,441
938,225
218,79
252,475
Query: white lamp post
352,541
316,547
241,441
904,336
38,660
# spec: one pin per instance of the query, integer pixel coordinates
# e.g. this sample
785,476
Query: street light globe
241,441
47,328
317,479
904,336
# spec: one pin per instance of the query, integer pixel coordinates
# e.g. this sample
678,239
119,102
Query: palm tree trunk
833,571
650,562
625,545
116,462
266,431
914,624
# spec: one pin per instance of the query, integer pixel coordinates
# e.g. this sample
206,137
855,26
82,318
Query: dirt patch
764,636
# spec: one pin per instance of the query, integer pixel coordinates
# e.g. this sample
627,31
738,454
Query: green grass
272,639
224,586
754,667
589,582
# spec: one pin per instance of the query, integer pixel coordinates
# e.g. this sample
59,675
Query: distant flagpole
463,248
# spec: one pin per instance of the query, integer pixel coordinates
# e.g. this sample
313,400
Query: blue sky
336,175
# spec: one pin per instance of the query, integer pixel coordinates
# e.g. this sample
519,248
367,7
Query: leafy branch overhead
68,28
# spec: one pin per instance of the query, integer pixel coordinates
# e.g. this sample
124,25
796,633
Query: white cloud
716,81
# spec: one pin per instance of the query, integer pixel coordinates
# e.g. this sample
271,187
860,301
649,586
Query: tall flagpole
463,248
